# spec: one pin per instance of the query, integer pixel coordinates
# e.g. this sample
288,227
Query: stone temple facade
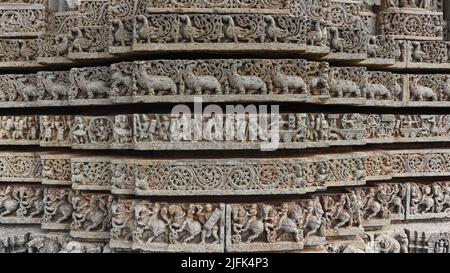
92,160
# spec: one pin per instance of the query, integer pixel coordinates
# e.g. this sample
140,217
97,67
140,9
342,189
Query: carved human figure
147,218
180,127
19,128
7,126
122,223
245,220
314,217
122,130
91,212
322,127
442,246
79,131
48,126
61,127
119,175
146,127
211,220
32,129
213,129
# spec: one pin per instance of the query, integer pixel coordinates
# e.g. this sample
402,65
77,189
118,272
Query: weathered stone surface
221,131
96,158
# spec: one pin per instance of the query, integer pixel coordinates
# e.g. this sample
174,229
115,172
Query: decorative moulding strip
221,131
216,80
239,176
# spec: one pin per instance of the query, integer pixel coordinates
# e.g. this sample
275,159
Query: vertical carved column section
90,37
21,204
20,25
122,15
56,169
54,45
91,217
91,173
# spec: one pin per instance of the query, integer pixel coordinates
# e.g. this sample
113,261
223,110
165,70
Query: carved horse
290,225
148,220
189,224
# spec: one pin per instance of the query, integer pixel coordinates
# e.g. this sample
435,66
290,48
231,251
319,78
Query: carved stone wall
93,159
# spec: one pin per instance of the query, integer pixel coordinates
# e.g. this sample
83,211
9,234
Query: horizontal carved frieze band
20,167
144,225
225,4
218,177
221,131
221,176
99,29
223,81
18,20
411,23
155,131
285,226
40,241
259,227
252,176
407,163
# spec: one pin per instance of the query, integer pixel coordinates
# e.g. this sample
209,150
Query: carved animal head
414,82
61,39
38,243
185,19
48,79
76,32
236,66
228,19
396,88
297,213
372,40
320,23
416,45
269,20
116,208
175,210
189,68
118,23
334,30
141,18
117,75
